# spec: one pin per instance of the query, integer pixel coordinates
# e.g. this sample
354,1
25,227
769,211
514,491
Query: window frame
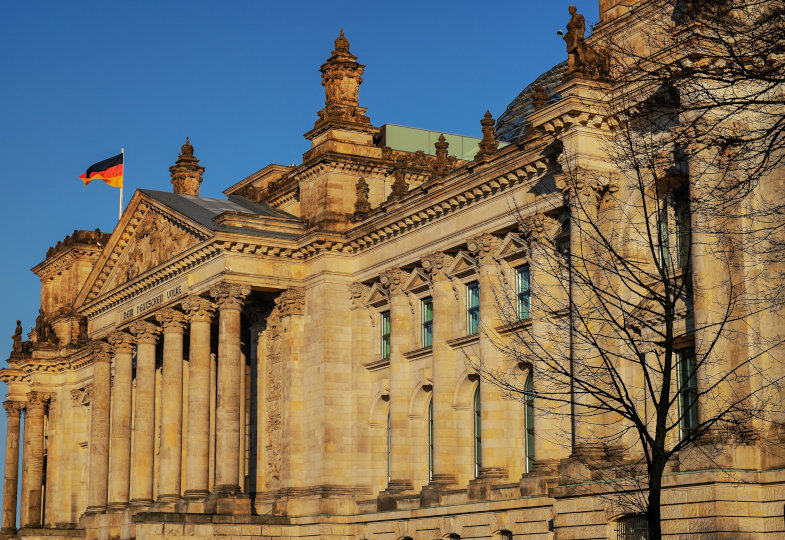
529,411
385,344
472,309
521,293
686,367
430,440
477,424
426,324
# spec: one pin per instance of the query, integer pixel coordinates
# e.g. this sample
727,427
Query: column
120,438
97,482
144,421
444,372
401,472
169,473
229,298
33,457
199,312
14,411
494,432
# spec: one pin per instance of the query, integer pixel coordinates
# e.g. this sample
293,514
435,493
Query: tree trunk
655,495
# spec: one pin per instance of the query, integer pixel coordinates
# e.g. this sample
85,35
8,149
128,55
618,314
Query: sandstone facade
294,361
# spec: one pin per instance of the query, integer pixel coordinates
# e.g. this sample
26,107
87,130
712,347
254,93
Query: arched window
528,401
634,527
430,440
505,535
477,433
389,447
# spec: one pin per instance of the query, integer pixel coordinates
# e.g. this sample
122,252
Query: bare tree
656,293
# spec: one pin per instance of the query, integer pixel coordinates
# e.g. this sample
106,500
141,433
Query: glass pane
522,284
477,433
529,401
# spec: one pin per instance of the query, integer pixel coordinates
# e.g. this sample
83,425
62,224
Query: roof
204,210
512,124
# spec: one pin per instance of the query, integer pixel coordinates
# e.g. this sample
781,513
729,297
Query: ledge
513,326
377,364
418,353
464,340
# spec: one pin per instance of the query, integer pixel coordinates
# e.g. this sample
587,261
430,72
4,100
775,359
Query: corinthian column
229,299
169,473
444,379
200,313
97,489
33,458
401,472
120,450
14,411
494,433
144,421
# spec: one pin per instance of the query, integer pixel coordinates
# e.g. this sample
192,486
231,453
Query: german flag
109,170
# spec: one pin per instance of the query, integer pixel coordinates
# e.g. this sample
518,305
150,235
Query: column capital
358,291
121,342
230,295
145,332
13,408
483,247
37,400
291,302
171,320
101,351
394,280
199,309
436,265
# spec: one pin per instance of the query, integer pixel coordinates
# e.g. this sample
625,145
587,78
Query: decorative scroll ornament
155,240
121,342
101,351
37,400
533,229
358,291
483,247
393,280
436,265
291,302
171,320
13,408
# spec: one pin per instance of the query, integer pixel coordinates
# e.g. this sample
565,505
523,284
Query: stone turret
186,172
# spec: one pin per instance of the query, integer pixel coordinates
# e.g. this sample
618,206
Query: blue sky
79,80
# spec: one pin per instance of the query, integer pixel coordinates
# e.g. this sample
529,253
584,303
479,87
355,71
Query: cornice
47,269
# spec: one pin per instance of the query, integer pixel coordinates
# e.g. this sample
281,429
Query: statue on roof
582,58
17,337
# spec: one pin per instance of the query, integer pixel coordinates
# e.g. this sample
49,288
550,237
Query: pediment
148,236
462,265
511,248
377,296
417,282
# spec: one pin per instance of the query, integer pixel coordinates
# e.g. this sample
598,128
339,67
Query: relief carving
154,241
272,385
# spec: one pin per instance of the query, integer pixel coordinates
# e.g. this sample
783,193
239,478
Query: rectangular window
385,334
665,252
688,391
427,322
681,211
472,308
522,291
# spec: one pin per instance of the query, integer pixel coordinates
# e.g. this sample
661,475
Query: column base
387,498
140,503
227,489
8,532
479,489
431,495
195,494
237,504
543,476
92,510
117,506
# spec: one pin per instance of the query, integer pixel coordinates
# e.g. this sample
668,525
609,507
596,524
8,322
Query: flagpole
120,213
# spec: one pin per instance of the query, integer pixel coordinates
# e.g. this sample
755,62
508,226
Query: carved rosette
483,247
37,401
198,309
101,352
436,265
291,302
121,342
171,320
13,408
393,280
230,295
145,332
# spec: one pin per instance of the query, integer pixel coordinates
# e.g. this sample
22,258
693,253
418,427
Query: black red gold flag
109,170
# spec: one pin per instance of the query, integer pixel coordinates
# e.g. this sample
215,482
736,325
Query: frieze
152,301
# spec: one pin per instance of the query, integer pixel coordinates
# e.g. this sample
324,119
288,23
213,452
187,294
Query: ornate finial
399,186
444,161
488,144
186,172
362,206
341,44
539,97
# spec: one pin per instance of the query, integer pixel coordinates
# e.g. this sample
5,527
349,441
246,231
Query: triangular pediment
377,296
511,248
417,282
148,235
462,265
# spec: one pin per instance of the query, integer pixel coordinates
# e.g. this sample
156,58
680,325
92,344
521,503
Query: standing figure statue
17,337
576,32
